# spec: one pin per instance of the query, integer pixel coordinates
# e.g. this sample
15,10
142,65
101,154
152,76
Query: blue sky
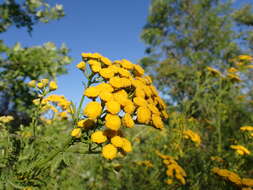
110,27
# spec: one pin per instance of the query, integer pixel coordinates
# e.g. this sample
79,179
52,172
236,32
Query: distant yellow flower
6,119
169,181
246,128
112,122
232,70
143,115
117,141
234,77
109,151
240,149
41,85
127,121
32,83
214,71
245,58
44,81
247,182
127,146
98,137
113,107
52,86
77,132
192,135
81,65
93,110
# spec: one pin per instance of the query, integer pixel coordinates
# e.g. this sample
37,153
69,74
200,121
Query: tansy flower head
32,83
81,65
93,110
76,133
98,137
52,86
109,151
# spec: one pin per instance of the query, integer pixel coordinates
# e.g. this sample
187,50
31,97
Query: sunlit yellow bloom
153,109
86,123
112,122
52,86
120,96
139,92
143,115
92,92
124,73
113,107
63,115
127,146
139,101
247,182
169,181
116,82
126,64
105,87
246,128
96,67
6,119
106,96
234,77
153,89
93,110
214,71
109,151
240,149
117,141
106,73
129,107
139,71
81,65
77,132
245,58
232,70
127,121
192,135
106,61
157,121
98,137
32,83
44,81
40,85
231,176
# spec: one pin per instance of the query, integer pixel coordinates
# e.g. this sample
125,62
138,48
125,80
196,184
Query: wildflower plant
121,97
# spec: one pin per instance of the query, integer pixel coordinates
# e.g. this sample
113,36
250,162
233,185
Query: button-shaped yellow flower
127,146
106,73
126,64
53,86
93,110
112,122
81,65
127,121
32,83
116,82
113,107
77,132
106,96
139,71
117,141
98,137
92,92
41,85
109,151
157,121
139,101
143,115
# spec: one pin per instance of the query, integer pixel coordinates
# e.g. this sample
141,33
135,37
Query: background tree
20,64
188,35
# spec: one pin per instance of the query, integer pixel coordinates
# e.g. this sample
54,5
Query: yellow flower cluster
43,83
228,175
124,96
248,129
174,170
233,177
214,71
231,75
240,149
146,163
189,134
6,119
